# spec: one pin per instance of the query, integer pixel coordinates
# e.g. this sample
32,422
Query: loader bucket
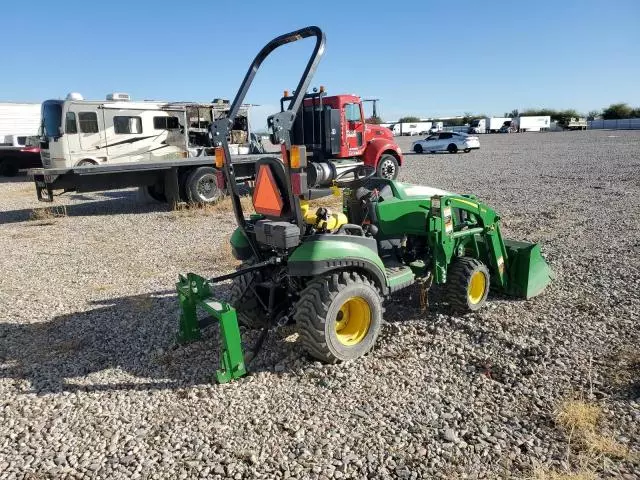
528,272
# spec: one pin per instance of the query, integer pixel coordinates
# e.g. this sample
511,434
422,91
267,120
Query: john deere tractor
330,272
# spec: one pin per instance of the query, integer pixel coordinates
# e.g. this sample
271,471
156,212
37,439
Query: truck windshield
52,118
475,123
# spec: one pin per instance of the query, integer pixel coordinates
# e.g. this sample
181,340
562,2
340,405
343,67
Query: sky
422,58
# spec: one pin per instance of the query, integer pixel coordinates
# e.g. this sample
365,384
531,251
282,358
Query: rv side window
70,124
88,122
165,123
127,124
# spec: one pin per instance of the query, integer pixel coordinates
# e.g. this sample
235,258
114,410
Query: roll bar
282,121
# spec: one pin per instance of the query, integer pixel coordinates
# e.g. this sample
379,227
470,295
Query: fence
620,124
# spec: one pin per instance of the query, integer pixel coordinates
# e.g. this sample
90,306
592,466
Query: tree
616,111
593,114
467,117
373,120
408,119
512,114
635,113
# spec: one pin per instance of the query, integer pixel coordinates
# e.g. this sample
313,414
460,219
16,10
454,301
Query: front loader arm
450,237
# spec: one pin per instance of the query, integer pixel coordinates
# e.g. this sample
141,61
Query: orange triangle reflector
267,199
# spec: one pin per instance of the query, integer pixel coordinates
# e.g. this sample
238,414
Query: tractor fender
378,147
324,253
240,247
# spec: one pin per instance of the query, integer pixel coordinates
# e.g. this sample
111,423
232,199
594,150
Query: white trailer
488,124
17,122
411,128
531,124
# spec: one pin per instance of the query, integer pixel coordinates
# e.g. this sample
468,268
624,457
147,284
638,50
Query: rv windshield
52,118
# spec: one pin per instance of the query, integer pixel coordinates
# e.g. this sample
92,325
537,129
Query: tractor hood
408,191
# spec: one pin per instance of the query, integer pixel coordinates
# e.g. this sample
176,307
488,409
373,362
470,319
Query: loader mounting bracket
195,292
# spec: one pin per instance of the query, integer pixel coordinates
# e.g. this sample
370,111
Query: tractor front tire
467,285
339,316
243,298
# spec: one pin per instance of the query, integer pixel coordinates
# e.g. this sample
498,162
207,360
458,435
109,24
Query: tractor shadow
133,338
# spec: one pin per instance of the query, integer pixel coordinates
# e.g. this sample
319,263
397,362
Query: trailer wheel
452,148
244,299
201,186
417,148
387,167
467,284
339,316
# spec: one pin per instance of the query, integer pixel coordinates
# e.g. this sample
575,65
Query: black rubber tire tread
418,148
242,297
191,185
458,277
452,148
312,311
383,158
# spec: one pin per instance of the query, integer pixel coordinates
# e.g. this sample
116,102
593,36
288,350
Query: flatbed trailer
166,180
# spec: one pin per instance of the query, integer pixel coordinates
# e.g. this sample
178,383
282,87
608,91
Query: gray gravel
91,385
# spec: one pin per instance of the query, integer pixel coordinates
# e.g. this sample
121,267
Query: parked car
450,142
24,155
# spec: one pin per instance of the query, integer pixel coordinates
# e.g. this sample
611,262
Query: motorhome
411,128
488,124
78,132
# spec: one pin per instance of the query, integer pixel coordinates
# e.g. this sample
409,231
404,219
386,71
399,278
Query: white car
450,142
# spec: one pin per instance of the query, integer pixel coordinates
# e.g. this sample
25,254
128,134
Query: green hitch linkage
194,291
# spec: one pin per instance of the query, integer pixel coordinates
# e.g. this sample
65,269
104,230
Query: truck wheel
339,316
201,186
417,148
8,168
85,163
467,284
387,167
452,148
243,298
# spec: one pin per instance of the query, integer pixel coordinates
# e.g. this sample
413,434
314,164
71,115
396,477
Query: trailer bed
167,173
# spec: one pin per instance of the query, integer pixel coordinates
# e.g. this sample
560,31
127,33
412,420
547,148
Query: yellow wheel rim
477,287
353,321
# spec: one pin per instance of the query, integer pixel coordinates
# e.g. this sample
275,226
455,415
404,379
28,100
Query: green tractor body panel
240,246
324,253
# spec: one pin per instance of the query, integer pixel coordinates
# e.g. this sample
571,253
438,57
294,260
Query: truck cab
334,128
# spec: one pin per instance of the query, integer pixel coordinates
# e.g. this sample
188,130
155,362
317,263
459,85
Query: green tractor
330,272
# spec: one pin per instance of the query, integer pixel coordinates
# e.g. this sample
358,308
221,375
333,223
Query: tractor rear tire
243,298
452,148
467,285
339,316
387,167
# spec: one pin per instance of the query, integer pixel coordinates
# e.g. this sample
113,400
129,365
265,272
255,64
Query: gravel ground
91,386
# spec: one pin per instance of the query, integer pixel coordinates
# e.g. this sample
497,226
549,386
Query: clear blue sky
422,58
